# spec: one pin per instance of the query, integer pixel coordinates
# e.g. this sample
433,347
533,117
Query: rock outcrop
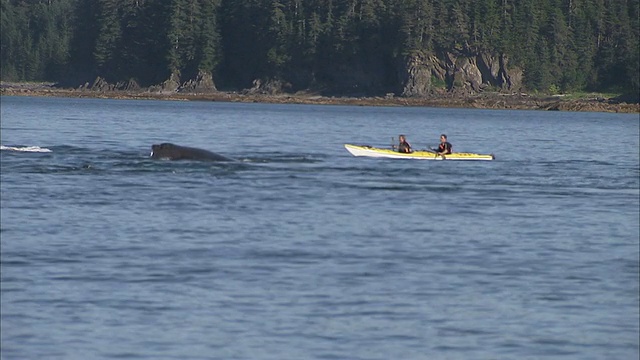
467,76
101,85
170,85
202,83
131,85
267,87
423,74
416,76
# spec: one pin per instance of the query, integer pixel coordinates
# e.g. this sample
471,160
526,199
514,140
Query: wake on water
25,149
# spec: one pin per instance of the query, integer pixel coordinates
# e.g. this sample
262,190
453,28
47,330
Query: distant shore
594,103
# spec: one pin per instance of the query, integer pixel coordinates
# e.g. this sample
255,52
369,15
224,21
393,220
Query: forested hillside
408,47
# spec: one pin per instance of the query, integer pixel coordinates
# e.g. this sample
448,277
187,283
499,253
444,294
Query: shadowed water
300,251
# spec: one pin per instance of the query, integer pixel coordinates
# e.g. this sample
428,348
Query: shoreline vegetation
590,102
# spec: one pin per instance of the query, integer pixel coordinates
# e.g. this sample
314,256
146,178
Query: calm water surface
299,250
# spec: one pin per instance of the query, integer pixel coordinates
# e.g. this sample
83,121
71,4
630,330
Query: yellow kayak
369,151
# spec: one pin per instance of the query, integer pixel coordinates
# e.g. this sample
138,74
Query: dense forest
336,46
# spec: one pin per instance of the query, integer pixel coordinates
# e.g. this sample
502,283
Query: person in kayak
445,147
404,146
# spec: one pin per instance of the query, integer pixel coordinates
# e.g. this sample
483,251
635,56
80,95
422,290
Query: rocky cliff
423,74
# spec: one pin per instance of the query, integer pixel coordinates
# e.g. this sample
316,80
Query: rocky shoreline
484,100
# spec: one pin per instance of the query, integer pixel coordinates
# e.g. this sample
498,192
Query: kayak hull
369,151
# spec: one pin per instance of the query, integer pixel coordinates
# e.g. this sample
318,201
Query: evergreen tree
108,42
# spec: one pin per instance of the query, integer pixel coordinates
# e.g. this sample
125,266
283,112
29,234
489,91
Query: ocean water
299,250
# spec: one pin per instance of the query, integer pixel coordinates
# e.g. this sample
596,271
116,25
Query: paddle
436,152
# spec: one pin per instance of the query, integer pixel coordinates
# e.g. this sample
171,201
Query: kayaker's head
402,138
443,138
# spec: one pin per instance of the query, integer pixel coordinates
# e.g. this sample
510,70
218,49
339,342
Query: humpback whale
177,152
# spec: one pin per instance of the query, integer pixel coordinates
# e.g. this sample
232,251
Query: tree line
331,45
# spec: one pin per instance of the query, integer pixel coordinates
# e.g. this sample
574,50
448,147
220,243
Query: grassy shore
569,102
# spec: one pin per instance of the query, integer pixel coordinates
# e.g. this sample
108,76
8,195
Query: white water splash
25,149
